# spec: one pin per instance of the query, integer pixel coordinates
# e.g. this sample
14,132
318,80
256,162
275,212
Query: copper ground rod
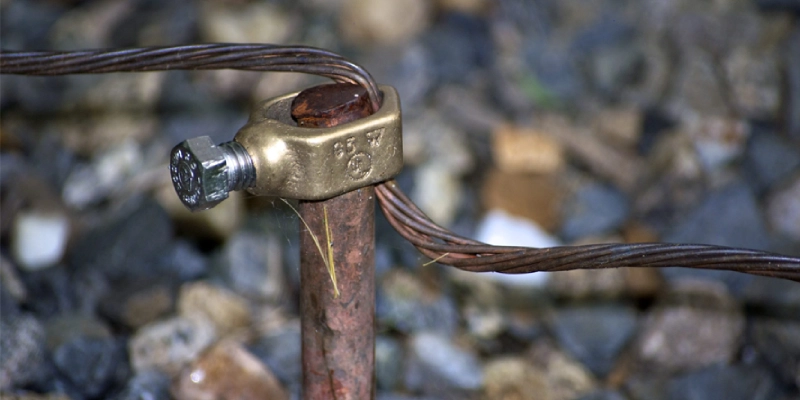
338,333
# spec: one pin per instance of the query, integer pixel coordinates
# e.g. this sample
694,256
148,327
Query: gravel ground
529,122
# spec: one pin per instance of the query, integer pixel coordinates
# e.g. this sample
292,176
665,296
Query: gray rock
280,351
779,342
389,356
595,335
184,262
438,365
146,385
698,325
723,382
93,365
22,350
459,45
729,216
594,209
170,344
53,290
128,244
769,158
404,303
252,263
67,327
793,96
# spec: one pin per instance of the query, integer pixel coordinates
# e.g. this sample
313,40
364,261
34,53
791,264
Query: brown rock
566,378
383,22
622,125
585,283
226,310
138,303
228,371
535,197
524,150
514,378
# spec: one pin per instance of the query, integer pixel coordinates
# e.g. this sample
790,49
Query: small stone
696,89
146,385
769,158
136,304
642,282
228,371
370,22
89,184
622,125
389,357
246,23
754,82
437,192
594,209
704,328
521,150
793,87
438,364
537,198
779,342
93,365
11,282
170,344
514,378
22,349
253,264
595,335
39,238
129,92
126,243
225,309
406,304
783,209
717,140
500,229
728,216
566,378
734,382
280,350
581,284
67,327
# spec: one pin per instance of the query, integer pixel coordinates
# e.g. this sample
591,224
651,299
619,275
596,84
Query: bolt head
199,173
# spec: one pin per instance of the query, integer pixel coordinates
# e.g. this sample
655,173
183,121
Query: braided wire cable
430,239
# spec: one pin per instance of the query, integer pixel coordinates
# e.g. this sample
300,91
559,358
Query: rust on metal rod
338,333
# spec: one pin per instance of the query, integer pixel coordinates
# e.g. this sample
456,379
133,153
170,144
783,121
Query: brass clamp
272,156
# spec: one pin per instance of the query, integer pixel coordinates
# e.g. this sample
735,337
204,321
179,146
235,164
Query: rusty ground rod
337,316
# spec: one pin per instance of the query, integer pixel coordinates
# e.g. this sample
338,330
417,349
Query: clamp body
273,156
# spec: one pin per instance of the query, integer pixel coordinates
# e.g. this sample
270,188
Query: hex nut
199,173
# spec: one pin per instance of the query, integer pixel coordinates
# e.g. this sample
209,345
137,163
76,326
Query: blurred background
536,123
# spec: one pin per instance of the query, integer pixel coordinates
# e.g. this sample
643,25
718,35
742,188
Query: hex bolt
203,173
